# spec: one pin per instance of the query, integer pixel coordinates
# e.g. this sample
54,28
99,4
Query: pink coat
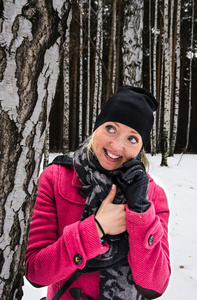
57,235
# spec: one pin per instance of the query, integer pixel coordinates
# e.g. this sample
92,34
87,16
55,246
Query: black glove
134,184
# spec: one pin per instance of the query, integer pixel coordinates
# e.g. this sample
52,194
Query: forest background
59,63
112,43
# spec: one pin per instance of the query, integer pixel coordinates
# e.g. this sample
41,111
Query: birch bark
114,46
46,149
171,52
190,81
66,77
166,121
150,47
154,131
88,75
118,68
97,62
100,73
81,70
111,57
132,43
29,43
178,74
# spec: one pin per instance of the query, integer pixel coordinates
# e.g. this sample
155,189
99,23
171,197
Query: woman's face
116,143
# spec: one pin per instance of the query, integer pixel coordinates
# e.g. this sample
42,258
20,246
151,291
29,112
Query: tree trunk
150,46
80,71
75,100
132,43
111,57
66,84
46,149
160,117
154,130
100,71
171,79
190,81
30,41
173,95
97,63
118,62
160,53
87,130
114,47
177,84
166,125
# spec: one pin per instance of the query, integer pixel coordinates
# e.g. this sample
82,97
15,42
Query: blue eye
133,139
110,129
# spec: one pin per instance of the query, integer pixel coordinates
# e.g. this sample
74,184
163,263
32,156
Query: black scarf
115,273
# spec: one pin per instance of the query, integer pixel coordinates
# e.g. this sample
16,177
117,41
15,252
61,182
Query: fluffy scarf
115,273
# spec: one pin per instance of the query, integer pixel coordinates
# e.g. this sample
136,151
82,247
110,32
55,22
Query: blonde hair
143,159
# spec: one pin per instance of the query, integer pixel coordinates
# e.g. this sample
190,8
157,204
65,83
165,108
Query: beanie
131,106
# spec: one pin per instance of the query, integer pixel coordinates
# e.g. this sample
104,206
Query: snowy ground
180,184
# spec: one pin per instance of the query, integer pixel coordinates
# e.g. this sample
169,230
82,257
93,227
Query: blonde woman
100,224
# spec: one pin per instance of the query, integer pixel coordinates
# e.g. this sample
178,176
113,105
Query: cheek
132,152
98,143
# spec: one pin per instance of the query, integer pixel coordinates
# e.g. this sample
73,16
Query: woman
99,226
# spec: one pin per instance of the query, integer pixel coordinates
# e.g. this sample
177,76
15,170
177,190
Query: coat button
150,239
78,259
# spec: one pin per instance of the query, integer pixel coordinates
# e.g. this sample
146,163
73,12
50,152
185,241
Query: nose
118,145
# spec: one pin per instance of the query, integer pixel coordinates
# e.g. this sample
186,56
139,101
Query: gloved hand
134,184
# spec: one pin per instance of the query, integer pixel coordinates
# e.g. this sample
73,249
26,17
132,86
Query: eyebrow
131,131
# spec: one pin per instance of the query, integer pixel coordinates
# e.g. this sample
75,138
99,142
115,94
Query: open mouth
112,156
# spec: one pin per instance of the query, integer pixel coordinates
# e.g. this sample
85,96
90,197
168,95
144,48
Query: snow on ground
180,185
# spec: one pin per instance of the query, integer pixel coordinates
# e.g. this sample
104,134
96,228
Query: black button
78,259
150,239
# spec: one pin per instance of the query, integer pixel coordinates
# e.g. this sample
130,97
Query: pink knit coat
57,235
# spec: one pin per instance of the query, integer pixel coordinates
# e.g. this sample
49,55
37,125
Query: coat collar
75,181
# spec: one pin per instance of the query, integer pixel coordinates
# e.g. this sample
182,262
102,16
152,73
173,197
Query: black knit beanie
131,106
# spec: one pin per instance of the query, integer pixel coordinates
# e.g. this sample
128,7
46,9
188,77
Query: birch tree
97,61
46,149
132,43
154,133
177,84
150,47
100,73
114,46
74,121
118,68
88,75
66,77
29,44
171,50
166,117
190,80
81,70
111,56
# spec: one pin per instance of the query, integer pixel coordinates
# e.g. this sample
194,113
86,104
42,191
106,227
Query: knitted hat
131,106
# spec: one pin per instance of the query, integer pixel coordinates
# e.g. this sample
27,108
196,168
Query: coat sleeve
149,249
50,258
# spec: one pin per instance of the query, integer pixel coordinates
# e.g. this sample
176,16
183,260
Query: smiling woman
116,143
99,220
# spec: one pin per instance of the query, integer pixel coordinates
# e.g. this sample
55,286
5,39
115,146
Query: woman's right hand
112,217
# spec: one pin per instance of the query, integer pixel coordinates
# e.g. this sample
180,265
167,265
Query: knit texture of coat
57,237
